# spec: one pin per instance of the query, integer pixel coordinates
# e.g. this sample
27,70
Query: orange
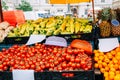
106,60
115,60
100,66
117,57
99,62
102,70
96,51
116,66
113,52
112,69
101,54
109,55
111,75
117,49
118,53
101,58
96,59
105,74
96,65
106,68
117,77
104,64
117,72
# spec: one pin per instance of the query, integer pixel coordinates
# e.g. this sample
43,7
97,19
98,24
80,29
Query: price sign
108,44
35,39
23,74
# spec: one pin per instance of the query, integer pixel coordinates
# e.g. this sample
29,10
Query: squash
82,44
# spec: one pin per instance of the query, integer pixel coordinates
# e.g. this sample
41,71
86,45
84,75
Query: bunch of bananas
52,26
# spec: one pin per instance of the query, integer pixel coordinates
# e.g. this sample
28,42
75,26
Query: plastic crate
5,46
6,75
16,40
78,75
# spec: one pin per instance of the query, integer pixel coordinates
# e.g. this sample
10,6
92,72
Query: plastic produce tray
6,75
16,40
78,75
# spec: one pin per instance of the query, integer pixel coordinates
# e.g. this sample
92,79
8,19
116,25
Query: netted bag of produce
115,23
115,30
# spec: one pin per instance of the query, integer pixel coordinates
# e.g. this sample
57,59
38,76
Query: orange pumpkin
82,44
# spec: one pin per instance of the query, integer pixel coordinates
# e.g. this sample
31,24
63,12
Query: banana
62,27
56,32
77,27
10,34
23,28
82,28
72,27
51,24
87,29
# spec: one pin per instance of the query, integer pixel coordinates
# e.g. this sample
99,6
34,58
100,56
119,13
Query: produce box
8,75
16,40
48,72
78,75
14,17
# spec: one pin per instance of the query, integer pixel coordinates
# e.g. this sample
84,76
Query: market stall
59,48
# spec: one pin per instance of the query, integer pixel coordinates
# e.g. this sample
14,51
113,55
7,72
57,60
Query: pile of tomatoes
42,57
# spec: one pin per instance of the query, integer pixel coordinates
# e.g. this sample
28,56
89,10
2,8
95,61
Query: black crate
5,46
16,40
6,75
78,75
40,76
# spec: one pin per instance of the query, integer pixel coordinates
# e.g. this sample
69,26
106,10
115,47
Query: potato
4,25
7,30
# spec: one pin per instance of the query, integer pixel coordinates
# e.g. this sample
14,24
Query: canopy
67,1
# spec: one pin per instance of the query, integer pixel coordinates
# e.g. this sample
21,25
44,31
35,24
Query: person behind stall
75,15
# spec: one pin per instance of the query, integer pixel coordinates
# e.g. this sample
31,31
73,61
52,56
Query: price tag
115,22
57,41
35,39
108,44
23,74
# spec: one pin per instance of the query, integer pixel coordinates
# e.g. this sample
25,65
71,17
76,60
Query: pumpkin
82,44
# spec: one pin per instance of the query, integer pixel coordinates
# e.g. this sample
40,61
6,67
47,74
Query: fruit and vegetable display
56,25
41,57
5,28
107,29
108,63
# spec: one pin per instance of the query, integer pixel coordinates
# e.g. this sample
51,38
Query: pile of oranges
108,63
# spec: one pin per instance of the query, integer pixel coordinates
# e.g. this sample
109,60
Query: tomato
38,68
27,66
40,57
78,65
68,57
69,51
32,66
70,74
64,65
1,66
56,62
77,60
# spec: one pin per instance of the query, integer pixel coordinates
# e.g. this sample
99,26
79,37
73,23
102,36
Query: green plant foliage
25,6
4,6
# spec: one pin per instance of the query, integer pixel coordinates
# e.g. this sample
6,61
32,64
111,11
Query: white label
108,44
23,74
35,39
